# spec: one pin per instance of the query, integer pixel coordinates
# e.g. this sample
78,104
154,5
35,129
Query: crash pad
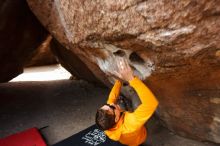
91,136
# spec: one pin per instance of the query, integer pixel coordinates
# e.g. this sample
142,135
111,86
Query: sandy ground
64,107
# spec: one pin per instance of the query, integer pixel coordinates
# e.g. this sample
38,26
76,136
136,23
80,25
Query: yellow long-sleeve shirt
130,129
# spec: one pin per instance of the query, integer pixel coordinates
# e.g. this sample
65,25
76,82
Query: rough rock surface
20,34
173,45
43,54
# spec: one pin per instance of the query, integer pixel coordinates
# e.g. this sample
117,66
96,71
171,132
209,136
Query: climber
123,126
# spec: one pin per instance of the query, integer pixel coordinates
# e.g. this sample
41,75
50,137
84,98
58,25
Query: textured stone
21,33
173,45
43,54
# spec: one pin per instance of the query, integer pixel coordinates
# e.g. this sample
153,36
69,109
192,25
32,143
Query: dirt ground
65,107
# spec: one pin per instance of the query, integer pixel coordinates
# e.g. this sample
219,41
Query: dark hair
104,120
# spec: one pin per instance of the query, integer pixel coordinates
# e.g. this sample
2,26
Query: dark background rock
43,54
20,35
71,62
172,45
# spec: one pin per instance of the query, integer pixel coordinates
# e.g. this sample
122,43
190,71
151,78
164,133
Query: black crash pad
92,136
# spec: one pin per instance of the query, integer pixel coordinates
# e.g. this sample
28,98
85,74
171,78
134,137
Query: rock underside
172,45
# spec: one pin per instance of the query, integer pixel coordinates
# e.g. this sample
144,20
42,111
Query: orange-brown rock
172,45
43,54
21,33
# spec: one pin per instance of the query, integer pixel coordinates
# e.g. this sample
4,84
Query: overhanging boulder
172,45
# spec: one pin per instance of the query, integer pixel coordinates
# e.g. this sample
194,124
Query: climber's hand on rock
124,71
117,67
